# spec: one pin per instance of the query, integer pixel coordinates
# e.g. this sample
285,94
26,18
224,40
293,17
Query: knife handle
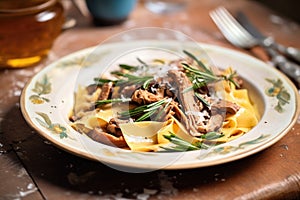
289,68
291,52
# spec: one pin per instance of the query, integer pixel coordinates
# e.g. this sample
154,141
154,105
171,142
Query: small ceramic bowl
110,12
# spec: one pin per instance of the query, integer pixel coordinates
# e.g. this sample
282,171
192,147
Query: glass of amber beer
28,30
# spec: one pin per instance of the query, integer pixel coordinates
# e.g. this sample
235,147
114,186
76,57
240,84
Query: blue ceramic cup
110,12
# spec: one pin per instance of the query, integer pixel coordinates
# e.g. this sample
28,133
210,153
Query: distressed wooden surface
33,168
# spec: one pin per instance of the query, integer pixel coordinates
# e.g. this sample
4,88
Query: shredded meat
197,120
161,88
215,122
73,118
105,91
91,89
238,80
113,128
223,106
171,110
192,121
98,135
142,97
128,90
110,135
203,90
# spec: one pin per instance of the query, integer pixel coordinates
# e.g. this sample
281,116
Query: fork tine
231,29
238,29
219,21
233,32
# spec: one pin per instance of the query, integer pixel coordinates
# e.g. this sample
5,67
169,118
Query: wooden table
32,168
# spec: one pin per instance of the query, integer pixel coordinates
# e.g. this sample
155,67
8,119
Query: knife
291,52
289,68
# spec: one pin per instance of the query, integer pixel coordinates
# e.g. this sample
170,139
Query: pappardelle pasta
176,105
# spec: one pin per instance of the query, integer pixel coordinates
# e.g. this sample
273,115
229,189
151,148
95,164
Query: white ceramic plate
48,99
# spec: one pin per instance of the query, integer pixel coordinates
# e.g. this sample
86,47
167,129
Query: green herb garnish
212,135
180,144
101,81
200,78
128,67
230,78
132,79
107,101
199,63
145,111
142,62
202,99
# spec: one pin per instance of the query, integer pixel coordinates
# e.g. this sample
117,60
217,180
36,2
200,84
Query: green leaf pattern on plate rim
229,148
55,128
41,88
278,91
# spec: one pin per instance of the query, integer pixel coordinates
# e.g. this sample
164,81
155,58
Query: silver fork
236,34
